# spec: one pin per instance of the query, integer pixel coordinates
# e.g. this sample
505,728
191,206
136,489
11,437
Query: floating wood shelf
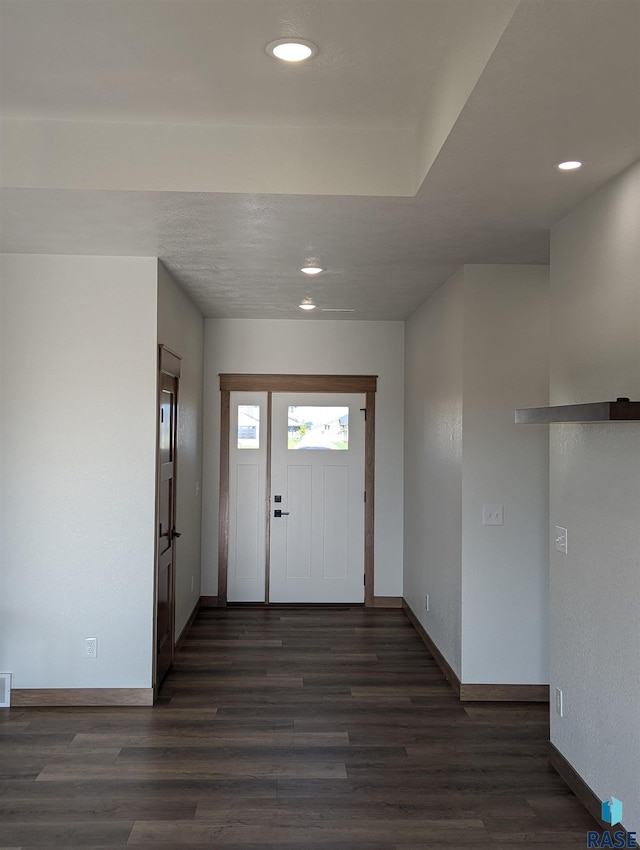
621,410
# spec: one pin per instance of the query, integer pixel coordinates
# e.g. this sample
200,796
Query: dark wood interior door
166,530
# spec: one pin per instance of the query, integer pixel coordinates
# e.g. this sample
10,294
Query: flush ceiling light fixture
307,305
292,49
570,165
311,267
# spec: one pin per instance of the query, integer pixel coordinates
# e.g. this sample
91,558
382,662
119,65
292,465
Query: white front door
317,498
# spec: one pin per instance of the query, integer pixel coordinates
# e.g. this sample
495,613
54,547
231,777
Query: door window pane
248,426
324,428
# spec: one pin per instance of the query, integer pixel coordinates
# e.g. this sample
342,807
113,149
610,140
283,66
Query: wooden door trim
236,382
169,363
369,489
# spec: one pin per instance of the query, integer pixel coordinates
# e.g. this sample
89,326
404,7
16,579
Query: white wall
433,468
505,568
595,493
476,36
181,328
318,160
313,347
78,382
476,350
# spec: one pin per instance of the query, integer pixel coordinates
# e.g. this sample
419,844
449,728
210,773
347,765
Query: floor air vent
5,690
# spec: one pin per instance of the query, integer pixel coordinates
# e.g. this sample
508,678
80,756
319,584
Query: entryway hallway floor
289,729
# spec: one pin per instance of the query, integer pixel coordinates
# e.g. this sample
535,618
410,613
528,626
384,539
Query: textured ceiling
527,85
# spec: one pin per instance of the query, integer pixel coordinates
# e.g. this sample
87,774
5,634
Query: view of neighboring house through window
324,428
248,426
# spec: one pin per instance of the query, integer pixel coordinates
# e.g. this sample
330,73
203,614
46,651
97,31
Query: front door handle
175,534
279,513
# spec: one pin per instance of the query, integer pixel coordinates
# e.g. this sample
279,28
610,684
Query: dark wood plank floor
289,728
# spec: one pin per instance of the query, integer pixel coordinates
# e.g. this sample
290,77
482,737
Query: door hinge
364,580
365,496
364,410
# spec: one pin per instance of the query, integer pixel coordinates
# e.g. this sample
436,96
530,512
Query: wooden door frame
234,382
169,363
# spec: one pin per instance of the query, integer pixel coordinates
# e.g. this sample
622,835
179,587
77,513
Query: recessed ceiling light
307,305
311,270
570,165
292,49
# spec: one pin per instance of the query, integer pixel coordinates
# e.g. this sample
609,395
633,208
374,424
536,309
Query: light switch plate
561,539
493,514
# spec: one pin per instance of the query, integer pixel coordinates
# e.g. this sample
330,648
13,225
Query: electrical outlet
426,602
559,703
91,647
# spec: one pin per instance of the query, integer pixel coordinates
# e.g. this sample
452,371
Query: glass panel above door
318,428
